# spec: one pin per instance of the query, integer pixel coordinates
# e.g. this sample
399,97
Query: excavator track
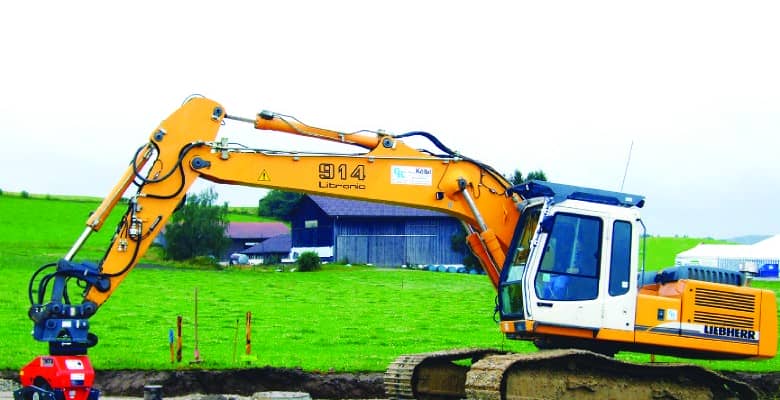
431,376
581,374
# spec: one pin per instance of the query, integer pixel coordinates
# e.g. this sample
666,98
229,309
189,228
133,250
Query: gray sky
561,86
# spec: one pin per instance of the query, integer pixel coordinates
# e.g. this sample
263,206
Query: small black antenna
628,161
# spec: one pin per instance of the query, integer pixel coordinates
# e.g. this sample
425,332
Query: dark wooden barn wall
320,236
396,241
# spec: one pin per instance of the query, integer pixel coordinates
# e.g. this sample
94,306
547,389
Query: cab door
621,267
566,283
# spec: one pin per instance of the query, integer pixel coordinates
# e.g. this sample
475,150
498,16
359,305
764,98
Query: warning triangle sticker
264,176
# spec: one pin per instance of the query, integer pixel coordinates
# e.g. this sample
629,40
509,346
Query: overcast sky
565,87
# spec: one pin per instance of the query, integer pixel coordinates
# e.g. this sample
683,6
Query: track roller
581,374
429,376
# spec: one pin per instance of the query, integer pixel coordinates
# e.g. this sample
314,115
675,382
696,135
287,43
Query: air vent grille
725,300
734,321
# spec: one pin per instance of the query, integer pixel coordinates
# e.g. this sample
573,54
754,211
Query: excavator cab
573,281
573,269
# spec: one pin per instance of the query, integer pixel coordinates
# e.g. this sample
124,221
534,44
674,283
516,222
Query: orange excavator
565,261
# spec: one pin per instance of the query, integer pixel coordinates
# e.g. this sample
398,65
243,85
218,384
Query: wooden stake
178,339
197,350
248,332
235,343
248,357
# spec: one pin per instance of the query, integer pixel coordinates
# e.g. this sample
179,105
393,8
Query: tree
537,175
197,228
458,243
517,178
278,204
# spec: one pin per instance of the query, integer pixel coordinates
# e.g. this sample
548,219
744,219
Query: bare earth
238,382
241,384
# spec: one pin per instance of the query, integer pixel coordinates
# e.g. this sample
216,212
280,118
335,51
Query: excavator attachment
552,374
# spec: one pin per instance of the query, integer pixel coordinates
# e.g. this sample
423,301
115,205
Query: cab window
571,257
620,261
511,288
523,248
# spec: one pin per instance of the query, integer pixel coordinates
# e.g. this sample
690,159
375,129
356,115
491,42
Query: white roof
769,243
766,249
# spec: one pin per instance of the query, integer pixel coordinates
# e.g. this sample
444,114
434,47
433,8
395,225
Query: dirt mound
767,384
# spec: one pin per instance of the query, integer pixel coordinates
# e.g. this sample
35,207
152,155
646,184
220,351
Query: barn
248,235
275,248
363,232
245,235
761,258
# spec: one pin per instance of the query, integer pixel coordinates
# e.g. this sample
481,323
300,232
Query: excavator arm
184,147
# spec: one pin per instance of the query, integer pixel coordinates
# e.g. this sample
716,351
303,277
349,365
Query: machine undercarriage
551,374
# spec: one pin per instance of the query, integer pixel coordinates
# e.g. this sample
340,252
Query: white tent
769,244
762,257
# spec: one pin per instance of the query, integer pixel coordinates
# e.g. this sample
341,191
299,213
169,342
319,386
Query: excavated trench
245,382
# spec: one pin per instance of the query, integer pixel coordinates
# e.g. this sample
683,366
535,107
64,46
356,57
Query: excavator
565,262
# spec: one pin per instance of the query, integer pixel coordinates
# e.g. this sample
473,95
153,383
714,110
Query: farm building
761,258
276,247
245,235
248,235
373,233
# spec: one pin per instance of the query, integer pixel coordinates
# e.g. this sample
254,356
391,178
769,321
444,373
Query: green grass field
342,318
661,251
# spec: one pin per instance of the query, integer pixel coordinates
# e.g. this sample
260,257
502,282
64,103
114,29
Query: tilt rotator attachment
63,325
66,373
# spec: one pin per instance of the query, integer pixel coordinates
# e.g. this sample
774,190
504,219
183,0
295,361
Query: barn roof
255,230
337,207
276,244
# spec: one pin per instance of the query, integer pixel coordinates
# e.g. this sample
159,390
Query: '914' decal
342,176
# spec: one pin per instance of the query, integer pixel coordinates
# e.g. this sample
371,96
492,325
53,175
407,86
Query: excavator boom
186,148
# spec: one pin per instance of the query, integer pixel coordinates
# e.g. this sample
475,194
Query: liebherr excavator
563,259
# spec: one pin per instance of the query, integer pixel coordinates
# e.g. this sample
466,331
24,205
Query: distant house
245,235
277,247
373,233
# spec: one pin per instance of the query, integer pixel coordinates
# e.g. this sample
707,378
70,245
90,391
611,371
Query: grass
661,251
349,311
246,214
49,226
342,318
345,319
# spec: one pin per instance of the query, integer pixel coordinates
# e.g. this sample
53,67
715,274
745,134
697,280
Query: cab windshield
570,263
